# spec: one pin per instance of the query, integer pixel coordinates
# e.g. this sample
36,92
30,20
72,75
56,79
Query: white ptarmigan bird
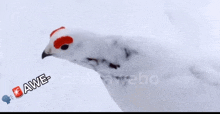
143,76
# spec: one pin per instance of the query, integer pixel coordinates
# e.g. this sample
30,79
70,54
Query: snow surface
25,27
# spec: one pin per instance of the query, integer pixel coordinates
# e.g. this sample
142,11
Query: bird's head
60,42
61,45
68,44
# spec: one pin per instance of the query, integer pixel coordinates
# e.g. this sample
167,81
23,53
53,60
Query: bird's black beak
45,55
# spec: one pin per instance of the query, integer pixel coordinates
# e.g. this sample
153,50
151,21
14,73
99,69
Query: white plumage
146,75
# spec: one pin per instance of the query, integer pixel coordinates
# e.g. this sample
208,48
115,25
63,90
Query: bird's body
143,75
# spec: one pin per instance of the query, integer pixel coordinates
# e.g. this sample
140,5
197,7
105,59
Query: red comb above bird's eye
62,40
56,31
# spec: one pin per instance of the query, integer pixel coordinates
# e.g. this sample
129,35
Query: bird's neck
104,54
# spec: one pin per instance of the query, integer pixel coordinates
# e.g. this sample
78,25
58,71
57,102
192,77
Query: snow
25,27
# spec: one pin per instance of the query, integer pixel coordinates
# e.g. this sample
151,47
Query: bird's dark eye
64,47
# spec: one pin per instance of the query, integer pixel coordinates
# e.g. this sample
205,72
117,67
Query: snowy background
25,26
